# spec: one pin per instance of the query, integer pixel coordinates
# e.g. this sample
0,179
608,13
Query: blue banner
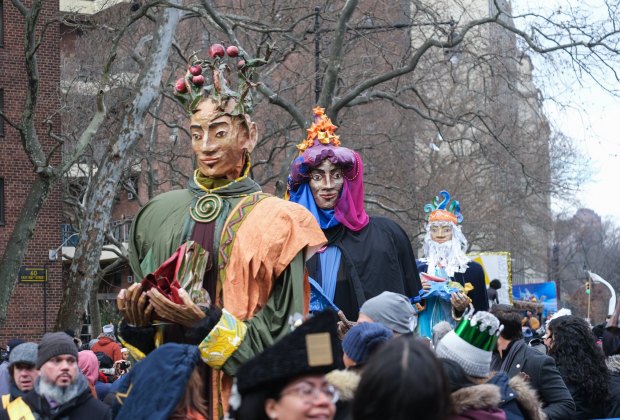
544,293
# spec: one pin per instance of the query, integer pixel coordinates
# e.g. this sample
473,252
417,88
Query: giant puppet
222,262
364,255
451,280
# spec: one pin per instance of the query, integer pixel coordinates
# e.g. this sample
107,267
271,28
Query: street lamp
53,253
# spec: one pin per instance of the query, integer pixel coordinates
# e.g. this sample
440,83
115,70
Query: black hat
55,344
312,348
13,342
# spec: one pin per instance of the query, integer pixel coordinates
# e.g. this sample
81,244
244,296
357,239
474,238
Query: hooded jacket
543,375
499,398
519,400
108,346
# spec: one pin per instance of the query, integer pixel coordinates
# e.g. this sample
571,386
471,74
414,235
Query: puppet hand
186,314
344,325
134,306
460,301
426,285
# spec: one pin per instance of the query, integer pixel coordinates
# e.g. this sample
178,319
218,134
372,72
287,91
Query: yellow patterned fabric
223,340
18,409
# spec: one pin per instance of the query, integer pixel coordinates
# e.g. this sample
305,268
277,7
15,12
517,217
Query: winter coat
519,400
613,364
477,402
499,398
108,346
585,409
543,376
82,407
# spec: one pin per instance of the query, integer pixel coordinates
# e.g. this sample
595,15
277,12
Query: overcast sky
591,116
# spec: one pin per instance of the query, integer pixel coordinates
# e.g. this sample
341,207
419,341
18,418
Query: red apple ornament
198,80
232,51
216,50
180,86
195,70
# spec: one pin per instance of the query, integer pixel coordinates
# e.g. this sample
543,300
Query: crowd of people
61,378
483,368
256,307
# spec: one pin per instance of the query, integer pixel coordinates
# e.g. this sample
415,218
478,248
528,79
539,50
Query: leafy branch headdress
191,89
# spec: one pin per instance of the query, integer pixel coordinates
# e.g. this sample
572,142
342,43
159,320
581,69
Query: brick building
33,306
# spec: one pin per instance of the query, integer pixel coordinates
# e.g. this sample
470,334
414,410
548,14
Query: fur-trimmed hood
489,396
345,381
476,397
528,399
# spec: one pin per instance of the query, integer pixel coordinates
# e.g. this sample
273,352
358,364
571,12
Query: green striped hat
472,342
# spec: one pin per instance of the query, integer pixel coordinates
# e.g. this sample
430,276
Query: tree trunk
20,238
85,265
95,313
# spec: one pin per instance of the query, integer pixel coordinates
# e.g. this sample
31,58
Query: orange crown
442,216
321,129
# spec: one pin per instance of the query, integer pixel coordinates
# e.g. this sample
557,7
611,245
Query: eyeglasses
309,393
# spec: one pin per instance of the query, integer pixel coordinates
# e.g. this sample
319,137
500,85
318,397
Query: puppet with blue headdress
450,279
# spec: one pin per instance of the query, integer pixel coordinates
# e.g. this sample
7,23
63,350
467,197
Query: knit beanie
393,310
471,343
55,344
363,339
24,353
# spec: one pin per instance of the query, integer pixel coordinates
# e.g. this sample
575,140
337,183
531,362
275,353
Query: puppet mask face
220,141
326,181
441,233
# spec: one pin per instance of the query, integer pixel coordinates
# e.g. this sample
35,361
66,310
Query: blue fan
318,300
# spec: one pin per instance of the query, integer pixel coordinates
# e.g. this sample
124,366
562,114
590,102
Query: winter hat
312,348
141,394
471,343
24,353
89,365
108,329
393,310
440,330
559,313
55,344
363,339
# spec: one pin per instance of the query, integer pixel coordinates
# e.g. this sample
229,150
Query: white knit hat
471,343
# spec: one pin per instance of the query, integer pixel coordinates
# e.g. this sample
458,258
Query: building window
1,201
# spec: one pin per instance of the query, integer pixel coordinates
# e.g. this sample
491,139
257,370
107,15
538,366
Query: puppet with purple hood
364,255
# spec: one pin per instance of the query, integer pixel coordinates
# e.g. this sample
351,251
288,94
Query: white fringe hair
451,254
